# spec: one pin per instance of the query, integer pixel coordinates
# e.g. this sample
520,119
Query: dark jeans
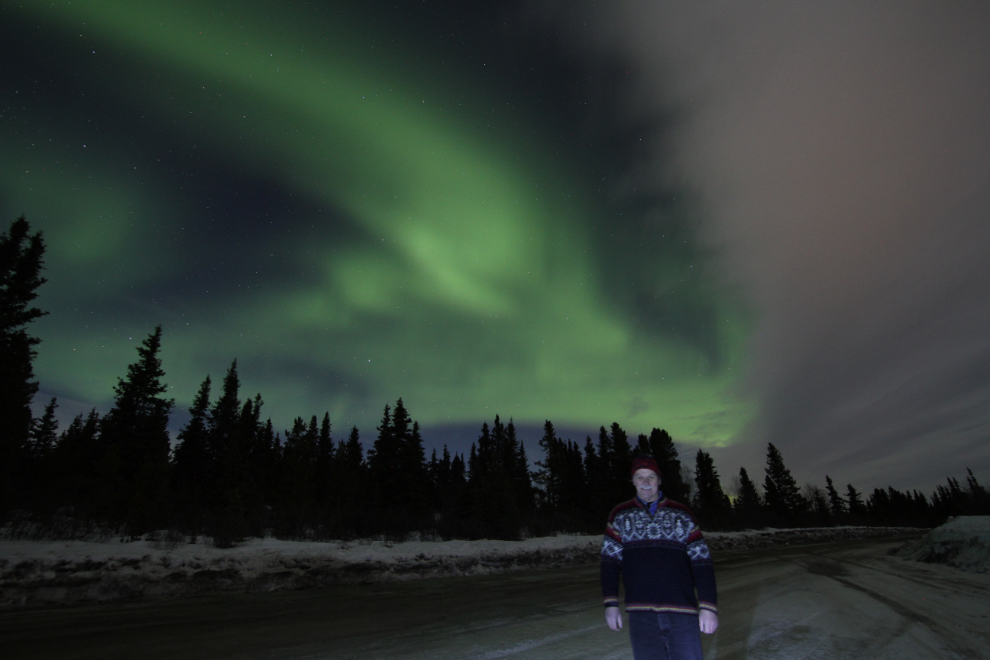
664,636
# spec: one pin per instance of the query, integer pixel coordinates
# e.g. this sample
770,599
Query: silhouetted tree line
784,504
230,475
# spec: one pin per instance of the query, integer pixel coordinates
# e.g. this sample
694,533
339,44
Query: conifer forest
229,473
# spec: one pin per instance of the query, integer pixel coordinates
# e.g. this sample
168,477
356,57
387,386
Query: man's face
647,483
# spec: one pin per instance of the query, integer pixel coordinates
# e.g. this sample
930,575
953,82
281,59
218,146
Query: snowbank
34,573
963,542
753,539
41,573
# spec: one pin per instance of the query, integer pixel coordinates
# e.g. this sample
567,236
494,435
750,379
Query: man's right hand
613,618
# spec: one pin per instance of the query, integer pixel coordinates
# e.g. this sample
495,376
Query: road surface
845,600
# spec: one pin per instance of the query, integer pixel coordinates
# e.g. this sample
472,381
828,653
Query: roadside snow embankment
62,572
963,542
35,573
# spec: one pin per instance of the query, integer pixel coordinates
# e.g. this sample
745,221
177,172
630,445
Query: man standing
656,546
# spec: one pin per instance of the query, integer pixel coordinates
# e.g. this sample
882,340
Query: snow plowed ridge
34,574
963,542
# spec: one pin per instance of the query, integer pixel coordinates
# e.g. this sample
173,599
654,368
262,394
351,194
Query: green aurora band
466,284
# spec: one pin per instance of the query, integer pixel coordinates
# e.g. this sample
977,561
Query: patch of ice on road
963,542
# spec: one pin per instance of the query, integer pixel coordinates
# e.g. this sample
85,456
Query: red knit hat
645,463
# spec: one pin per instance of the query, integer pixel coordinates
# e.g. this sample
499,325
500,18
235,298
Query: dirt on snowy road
838,600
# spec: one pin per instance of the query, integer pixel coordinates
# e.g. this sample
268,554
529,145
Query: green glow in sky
438,258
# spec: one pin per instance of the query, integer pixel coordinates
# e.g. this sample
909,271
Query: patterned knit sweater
662,559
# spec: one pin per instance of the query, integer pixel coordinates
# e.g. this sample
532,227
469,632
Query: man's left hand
708,621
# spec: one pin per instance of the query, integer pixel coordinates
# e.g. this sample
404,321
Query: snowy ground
845,600
37,574
962,542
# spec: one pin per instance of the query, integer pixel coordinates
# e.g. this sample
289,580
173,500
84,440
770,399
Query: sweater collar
651,506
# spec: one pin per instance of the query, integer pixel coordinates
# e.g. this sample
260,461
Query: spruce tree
298,476
350,486
226,448
473,469
815,498
224,420
748,502
454,509
493,507
21,263
409,486
415,481
44,432
265,461
622,488
397,464
519,470
599,506
135,431
435,467
606,465
442,477
401,423
75,465
710,502
38,472
548,474
44,435
482,465
324,463
836,503
878,505
383,455
665,454
458,471
979,496
606,460
500,447
772,500
855,501
783,497
574,486
191,462
256,450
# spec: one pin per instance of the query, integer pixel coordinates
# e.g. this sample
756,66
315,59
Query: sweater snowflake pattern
662,559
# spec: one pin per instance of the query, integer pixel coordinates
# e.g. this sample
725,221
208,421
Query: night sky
741,225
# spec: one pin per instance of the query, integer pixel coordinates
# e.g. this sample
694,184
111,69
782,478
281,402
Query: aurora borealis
355,213
740,225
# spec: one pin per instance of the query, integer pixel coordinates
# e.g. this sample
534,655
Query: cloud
842,153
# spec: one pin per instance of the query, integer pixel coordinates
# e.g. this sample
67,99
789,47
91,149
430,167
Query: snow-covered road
849,601
840,600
